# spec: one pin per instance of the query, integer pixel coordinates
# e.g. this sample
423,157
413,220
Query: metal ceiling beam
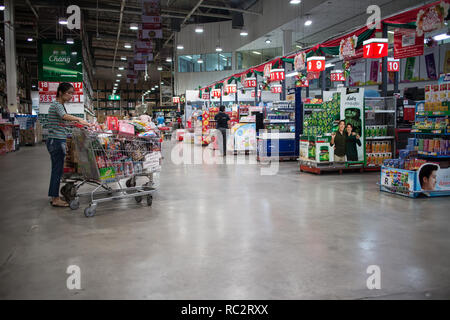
118,32
32,9
231,9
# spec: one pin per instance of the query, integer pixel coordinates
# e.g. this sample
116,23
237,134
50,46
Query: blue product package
403,153
409,148
412,141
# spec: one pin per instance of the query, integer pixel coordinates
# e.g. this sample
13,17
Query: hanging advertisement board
60,62
407,43
352,111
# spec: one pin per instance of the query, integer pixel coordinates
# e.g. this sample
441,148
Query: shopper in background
223,123
338,141
56,141
351,140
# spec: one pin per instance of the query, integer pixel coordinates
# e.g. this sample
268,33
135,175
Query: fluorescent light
2,7
117,80
119,75
74,53
121,68
268,41
162,82
329,65
30,39
293,73
295,1
160,68
168,59
189,57
219,49
200,60
156,86
244,33
123,58
180,47
134,26
199,29
69,41
442,36
62,21
127,45
78,63
308,22
257,52
33,86
298,47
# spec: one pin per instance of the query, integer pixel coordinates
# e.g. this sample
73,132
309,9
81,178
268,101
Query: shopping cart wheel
74,204
131,183
149,200
138,199
90,211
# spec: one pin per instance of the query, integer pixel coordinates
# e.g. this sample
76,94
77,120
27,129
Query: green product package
107,173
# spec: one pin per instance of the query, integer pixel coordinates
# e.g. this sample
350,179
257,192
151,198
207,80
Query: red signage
303,83
407,43
277,75
276,89
176,99
216,93
231,88
393,65
316,64
253,94
205,96
375,48
250,83
337,76
313,75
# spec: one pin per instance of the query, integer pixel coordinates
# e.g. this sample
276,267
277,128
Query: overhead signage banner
59,61
151,27
407,43
431,18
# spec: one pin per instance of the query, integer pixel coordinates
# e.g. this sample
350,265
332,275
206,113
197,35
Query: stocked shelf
433,155
429,131
380,138
433,113
380,111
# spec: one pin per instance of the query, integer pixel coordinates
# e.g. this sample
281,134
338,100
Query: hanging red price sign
250,83
393,65
277,88
375,48
216,93
253,94
205,96
176,99
316,64
231,88
337,75
277,75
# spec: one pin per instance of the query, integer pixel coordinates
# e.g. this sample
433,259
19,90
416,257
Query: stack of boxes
437,97
435,147
324,118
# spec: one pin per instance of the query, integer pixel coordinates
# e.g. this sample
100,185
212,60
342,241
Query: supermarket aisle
222,232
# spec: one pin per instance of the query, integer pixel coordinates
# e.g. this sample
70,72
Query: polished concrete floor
222,232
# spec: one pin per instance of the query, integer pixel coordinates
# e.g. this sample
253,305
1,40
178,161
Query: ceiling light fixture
442,36
268,41
119,75
74,53
78,63
134,26
295,1
69,41
2,7
244,33
218,48
117,80
30,39
308,21
160,68
156,86
127,45
257,52
180,47
121,68
199,29
200,60
168,59
62,21
123,58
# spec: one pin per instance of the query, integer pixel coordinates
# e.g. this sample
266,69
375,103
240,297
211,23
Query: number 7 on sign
381,46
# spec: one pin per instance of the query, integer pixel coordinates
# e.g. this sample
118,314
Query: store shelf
433,113
432,155
380,138
380,111
315,109
431,132
278,121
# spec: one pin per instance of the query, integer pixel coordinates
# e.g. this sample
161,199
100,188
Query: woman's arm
69,117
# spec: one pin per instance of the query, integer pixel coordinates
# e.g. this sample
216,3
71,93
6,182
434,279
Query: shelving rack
379,112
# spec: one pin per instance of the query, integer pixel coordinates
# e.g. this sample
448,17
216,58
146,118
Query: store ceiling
39,19
329,18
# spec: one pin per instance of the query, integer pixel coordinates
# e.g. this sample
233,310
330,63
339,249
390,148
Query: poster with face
433,180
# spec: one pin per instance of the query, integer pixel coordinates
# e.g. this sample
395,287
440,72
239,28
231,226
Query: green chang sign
113,97
60,62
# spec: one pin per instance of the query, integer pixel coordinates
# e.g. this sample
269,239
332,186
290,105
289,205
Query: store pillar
10,56
298,118
283,85
384,73
236,94
256,90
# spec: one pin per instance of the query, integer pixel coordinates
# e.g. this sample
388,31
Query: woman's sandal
59,203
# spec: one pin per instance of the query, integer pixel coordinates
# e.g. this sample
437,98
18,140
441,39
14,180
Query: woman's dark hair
222,108
341,121
349,124
63,88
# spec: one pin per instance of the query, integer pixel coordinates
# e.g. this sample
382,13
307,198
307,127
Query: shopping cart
104,159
